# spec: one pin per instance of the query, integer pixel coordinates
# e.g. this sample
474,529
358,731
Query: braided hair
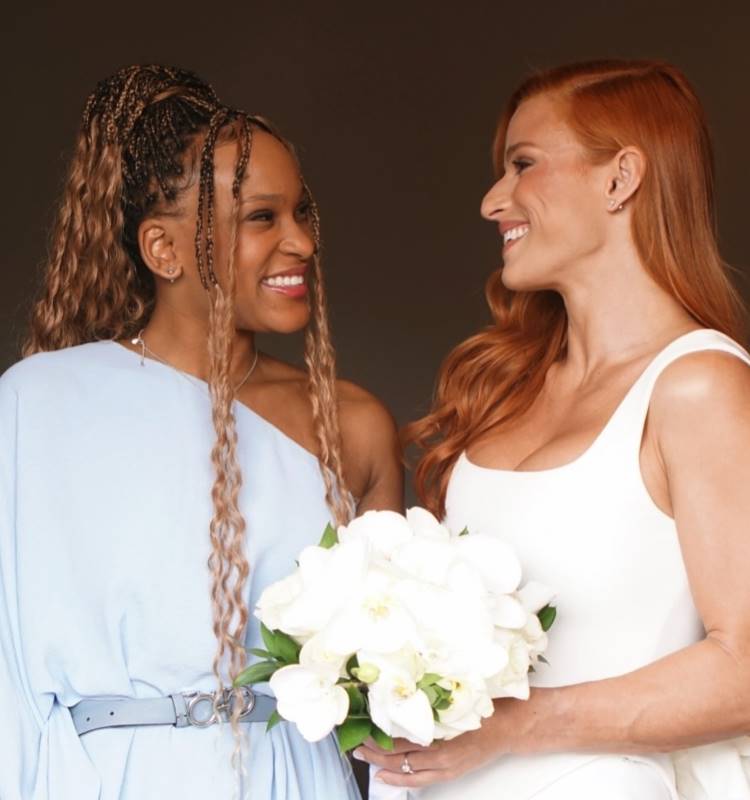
146,130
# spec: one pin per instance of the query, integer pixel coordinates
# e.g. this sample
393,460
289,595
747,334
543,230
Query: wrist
528,726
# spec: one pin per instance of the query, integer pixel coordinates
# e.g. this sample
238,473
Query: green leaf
329,537
353,732
280,645
464,532
273,720
428,679
256,673
260,653
357,702
351,665
432,695
382,739
547,617
267,635
443,703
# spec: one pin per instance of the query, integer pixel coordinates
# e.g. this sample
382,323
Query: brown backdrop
393,110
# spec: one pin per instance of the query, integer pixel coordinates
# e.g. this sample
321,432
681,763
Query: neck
182,341
616,311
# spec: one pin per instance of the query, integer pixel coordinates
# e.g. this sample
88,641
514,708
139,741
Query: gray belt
199,709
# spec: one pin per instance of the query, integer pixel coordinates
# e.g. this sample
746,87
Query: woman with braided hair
144,437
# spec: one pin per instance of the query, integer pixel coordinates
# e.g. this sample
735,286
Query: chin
286,323
519,279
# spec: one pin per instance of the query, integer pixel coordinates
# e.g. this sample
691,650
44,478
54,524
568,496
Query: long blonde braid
130,159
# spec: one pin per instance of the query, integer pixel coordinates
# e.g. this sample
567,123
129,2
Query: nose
298,240
495,201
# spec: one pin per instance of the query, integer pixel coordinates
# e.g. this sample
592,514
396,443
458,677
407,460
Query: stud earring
170,272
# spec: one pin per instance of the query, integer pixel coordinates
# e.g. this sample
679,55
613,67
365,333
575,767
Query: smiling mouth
290,284
280,281
514,234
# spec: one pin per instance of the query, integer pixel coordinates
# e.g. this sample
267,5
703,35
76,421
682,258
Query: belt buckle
221,706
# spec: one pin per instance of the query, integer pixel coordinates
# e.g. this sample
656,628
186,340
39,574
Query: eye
304,209
262,215
520,164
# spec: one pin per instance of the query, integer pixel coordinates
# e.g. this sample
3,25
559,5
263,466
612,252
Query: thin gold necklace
139,341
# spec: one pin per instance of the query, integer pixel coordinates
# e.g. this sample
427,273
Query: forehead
271,170
540,121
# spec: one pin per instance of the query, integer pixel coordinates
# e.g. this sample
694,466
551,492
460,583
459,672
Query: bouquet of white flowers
394,627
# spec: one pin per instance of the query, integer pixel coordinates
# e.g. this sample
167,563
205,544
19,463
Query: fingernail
358,755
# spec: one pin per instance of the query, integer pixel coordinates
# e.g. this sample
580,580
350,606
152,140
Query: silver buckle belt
197,709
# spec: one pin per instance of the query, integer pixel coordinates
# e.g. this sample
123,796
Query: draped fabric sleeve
41,755
20,721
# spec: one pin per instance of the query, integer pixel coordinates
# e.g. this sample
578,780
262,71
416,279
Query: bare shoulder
705,377
364,418
707,392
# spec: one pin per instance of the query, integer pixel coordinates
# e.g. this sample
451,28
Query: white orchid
425,525
397,705
375,617
493,559
324,582
470,704
317,653
382,531
395,627
311,698
534,596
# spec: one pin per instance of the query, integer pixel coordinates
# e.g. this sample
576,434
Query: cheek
252,255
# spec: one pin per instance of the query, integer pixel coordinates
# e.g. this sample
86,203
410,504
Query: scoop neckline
464,457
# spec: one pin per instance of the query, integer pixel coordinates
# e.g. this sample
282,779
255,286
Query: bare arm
372,455
700,418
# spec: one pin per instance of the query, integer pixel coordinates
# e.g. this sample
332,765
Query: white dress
590,530
105,480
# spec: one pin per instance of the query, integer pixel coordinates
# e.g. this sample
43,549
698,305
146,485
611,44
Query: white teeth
285,280
515,233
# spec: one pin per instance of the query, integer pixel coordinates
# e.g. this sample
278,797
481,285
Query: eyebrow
517,146
264,197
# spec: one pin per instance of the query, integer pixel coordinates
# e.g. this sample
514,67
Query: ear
624,178
157,246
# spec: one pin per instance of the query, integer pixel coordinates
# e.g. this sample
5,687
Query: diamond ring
406,767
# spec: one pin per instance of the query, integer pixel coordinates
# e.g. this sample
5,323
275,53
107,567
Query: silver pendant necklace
139,341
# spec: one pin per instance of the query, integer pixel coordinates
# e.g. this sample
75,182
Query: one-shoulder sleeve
20,723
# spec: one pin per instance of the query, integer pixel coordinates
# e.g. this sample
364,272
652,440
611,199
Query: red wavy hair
488,380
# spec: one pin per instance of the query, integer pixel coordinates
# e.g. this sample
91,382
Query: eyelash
520,164
261,216
266,215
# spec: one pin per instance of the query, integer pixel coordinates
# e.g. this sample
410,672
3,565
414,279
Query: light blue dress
104,510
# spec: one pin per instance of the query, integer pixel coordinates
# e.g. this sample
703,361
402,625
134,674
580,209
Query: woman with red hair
601,424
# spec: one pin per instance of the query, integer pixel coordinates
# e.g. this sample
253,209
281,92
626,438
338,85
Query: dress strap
630,418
